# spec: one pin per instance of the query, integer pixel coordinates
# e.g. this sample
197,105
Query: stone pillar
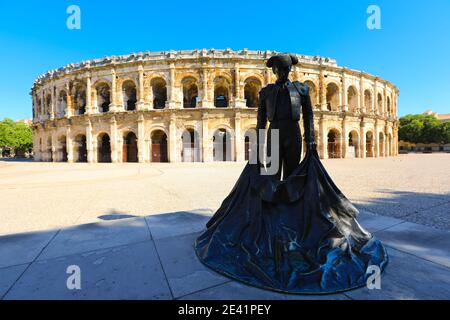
173,139
89,144
239,142
205,142
113,104
205,88
141,139
172,90
322,91
69,104
239,98
344,143
376,140
141,102
323,139
362,107
69,145
52,104
362,140
114,138
375,98
88,95
344,100
54,150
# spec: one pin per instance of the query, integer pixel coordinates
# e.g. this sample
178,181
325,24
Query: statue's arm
261,121
308,117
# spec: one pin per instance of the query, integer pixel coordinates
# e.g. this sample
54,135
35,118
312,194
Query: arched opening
104,148
80,99
380,103
190,151
103,97
251,92
129,95
62,141
221,145
159,91
80,150
190,92
158,148
352,99
332,97
369,144
368,100
62,103
312,93
130,149
251,151
388,105
381,144
334,145
49,149
48,103
353,144
221,92
390,151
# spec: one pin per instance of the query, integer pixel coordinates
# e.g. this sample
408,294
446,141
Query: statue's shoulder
303,88
266,90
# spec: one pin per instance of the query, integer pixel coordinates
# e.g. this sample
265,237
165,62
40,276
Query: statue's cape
296,236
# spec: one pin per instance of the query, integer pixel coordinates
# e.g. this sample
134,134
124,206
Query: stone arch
80,148
190,145
252,86
222,144
313,93
380,103
381,144
129,93
129,147
158,146
49,148
352,98
103,148
332,96
48,103
62,102
250,143
79,98
369,144
103,99
388,106
334,143
62,148
190,92
159,92
368,100
353,143
222,92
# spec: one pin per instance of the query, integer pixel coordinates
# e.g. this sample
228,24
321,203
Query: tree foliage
15,135
423,128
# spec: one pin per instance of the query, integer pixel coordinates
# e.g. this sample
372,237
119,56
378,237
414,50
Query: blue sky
412,49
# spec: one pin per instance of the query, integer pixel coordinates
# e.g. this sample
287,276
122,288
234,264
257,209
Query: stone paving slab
438,216
425,242
178,223
8,276
23,247
185,273
96,236
372,222
408,277
127,272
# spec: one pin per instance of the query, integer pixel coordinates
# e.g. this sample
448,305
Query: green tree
421,128
15,135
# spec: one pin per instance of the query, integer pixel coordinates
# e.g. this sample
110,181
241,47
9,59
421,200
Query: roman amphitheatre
200,106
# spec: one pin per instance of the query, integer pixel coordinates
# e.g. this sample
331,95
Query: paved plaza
131,227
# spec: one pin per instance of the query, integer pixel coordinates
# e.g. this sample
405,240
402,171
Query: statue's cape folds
295,236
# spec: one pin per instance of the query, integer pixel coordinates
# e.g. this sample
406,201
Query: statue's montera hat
283,60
